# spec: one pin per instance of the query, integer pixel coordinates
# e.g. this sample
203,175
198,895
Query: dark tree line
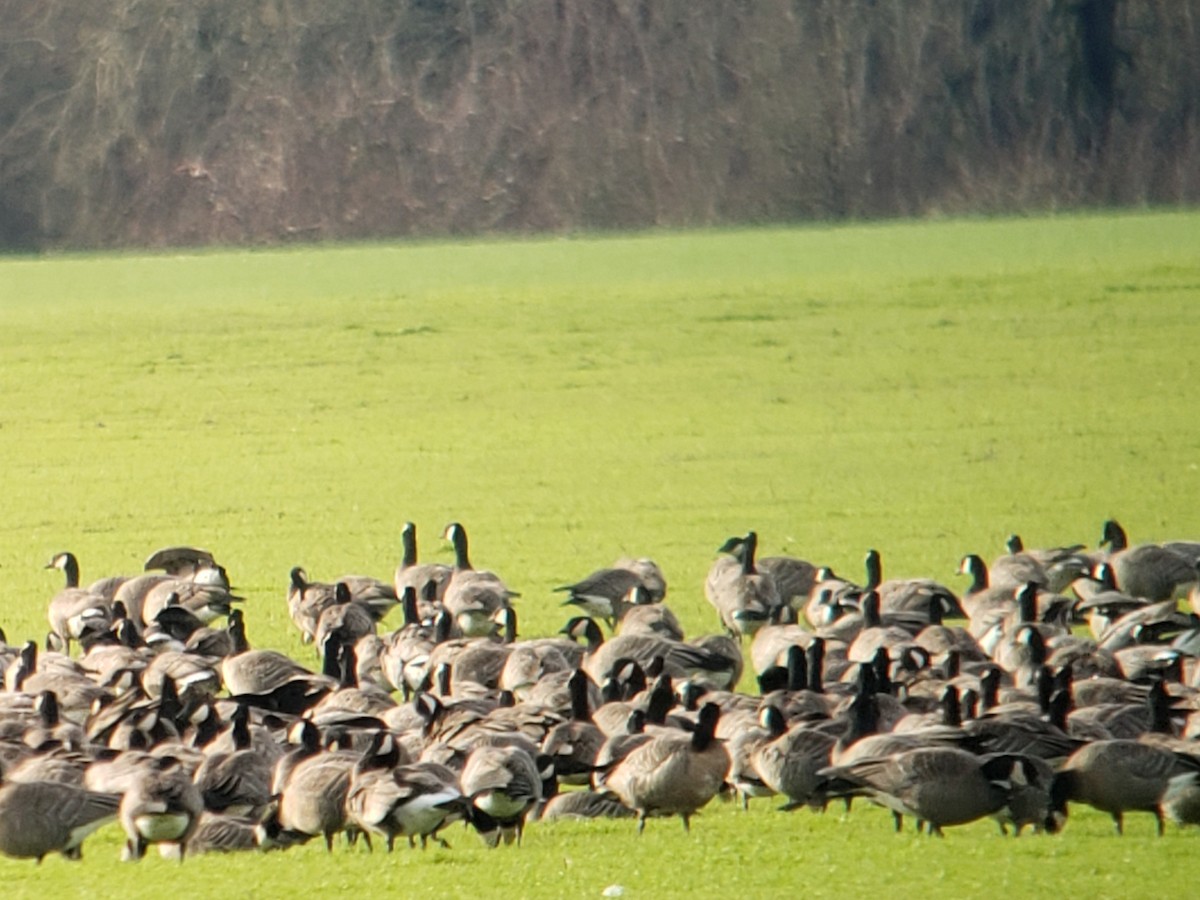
147,122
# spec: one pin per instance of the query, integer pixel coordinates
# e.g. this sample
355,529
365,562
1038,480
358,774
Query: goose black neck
412,615
706,727
874,567
816,666
458,537
749,549
408,538
577,684
797,668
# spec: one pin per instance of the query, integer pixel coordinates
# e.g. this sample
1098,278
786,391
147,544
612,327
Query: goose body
38,818
673,774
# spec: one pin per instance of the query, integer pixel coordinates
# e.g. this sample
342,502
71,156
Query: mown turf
923,388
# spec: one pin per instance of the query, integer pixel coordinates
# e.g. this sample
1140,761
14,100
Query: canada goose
743,596
472,597
1116,777
39,817
572,745
306,601
419,576
160,806
772,642
1147,570
674,774
919,596
789,761
207,602
649,571
312,796
584,805
1062,565
73,608
223,833
413,800
636,614
503,784
239,782
270,679
349,619
938,786
1181,800
599,594
180,562
681,660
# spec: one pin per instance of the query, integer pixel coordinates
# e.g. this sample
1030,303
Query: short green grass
922,388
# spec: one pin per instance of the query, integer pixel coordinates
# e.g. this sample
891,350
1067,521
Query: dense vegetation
156,123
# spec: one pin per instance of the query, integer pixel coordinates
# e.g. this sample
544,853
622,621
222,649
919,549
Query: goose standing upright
472,596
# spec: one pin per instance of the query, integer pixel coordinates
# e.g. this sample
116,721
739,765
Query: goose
637,614
347,619
73,608
306,601
39,817
1180,802
649,572
572,745
419,576
311,785
503,784
162,805
1116,777
179,562
1062,565
472,596
918,596
222,833
1147,570
681,660
584,805
772,642
743,596
238,782
415,800
600,594
938,786
789,761
674,774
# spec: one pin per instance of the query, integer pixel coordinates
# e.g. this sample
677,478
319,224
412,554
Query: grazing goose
673,774
419,576
1116,777
584,805
161,805
41,817
1148,570
601,593
938,786
74,608
472,597
743,596
503,784
649,571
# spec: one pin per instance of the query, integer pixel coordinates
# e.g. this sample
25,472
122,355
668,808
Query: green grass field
922,388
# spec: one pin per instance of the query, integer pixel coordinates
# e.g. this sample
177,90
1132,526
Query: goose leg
898,820
1119,818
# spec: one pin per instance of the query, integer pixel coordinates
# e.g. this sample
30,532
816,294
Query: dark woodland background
154,123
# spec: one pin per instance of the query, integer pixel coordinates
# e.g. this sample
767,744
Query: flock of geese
148,705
